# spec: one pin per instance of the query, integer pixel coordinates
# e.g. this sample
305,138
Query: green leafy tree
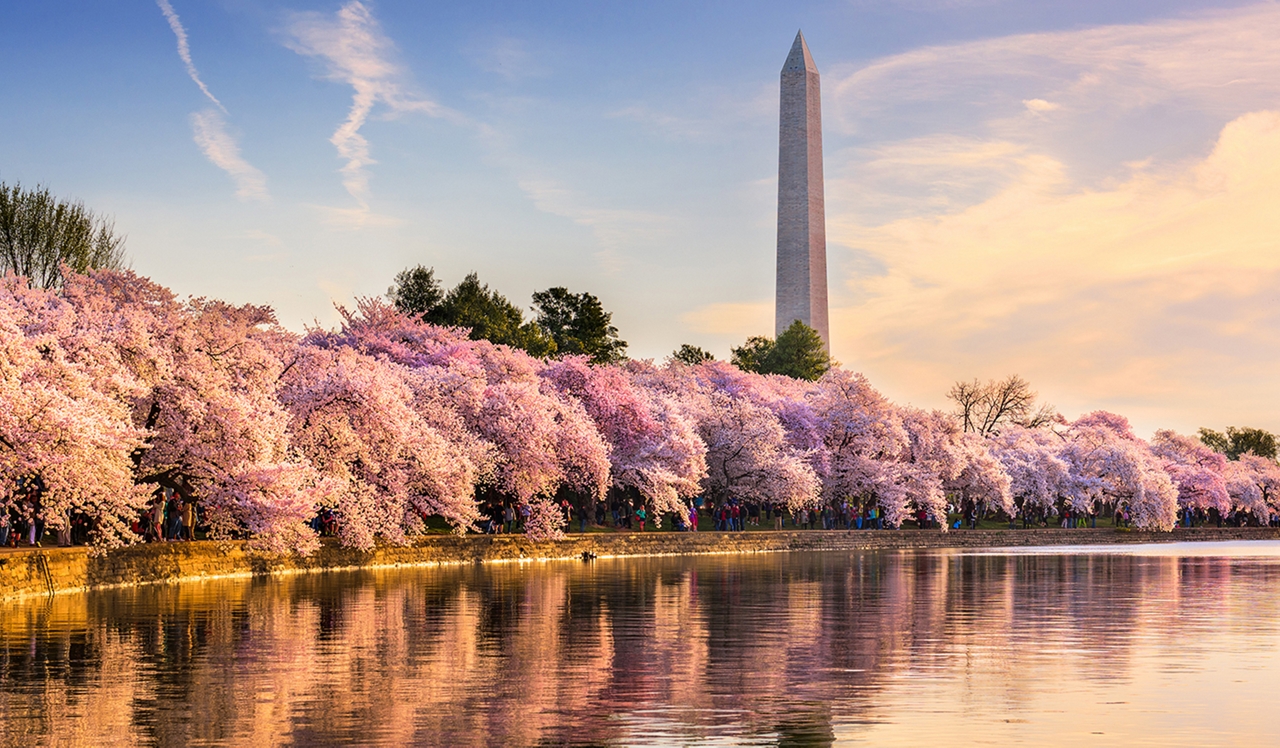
798,353
1215,440
691,355
416,291
579,325
40,234
1240,441
753,355
490,316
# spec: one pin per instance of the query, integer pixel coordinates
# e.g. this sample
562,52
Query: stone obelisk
802,232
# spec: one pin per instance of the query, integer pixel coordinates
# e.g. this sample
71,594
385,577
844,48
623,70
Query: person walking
176,529
64,533
157,515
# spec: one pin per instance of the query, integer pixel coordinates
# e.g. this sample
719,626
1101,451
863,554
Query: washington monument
802,232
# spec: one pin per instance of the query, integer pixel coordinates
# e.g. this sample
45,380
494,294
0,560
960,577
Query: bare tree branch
983,408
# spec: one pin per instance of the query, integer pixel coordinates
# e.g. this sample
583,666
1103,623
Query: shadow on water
814,649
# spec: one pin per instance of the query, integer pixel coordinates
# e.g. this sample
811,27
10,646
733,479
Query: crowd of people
168,517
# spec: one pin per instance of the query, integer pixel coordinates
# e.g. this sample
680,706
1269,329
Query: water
1155,645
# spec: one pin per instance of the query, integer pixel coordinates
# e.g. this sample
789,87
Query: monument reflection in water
1088,648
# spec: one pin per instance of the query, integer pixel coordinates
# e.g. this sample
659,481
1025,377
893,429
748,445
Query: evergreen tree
691,355
753,354
490,316
798,353
579,325
416,291
471,304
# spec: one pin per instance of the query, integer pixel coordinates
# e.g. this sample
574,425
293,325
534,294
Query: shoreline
41,572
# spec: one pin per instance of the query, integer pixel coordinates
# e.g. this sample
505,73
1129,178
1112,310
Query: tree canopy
416,291
40,233
490,316
579,325
565,323
691,355
986,407
797,353
112,387
1240,441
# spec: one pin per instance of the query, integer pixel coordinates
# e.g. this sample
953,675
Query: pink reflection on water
1170,645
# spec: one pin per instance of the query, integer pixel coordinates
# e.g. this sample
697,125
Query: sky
1083,193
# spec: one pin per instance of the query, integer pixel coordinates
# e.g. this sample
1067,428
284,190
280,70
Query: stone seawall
46,571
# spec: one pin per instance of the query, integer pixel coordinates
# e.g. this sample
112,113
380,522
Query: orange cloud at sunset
1159,289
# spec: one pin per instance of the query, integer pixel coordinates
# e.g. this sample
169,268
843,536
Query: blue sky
1080,192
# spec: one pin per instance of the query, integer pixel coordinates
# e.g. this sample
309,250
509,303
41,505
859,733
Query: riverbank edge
49,571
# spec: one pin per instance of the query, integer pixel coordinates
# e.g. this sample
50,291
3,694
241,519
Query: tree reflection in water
775,649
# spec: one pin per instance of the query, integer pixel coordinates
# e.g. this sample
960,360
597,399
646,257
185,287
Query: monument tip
799,58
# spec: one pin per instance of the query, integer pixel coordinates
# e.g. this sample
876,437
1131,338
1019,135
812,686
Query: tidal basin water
1156,645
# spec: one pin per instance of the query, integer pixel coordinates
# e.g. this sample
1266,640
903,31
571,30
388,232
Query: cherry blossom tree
352,417
111,387
748,456
1110,467
67,442
1196,470
1253,483
941,458
273,505
653,447
863,438
1038,476
200,378
982,478
527,439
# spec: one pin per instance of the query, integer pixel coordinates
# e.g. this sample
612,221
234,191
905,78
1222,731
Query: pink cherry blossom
1196,470
653,447
352,418
863,439
1038,476
1110,468
57,427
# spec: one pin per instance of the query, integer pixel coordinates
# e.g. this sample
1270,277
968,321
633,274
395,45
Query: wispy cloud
1159,290
1093,209
210,129
184,49
357,52
354,219
265,238
1214,61
222,150
1040,105
707,114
